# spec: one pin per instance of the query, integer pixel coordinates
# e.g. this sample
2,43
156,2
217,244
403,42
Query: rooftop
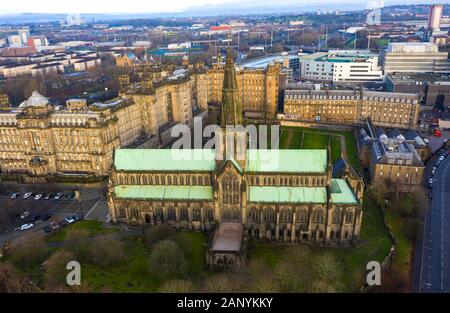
228,237
288,161
269,194
164,192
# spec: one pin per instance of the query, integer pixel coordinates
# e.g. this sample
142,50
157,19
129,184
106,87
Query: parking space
19,211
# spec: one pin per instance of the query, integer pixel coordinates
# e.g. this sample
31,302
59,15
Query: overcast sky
155,6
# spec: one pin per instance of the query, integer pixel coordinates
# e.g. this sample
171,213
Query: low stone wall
288,123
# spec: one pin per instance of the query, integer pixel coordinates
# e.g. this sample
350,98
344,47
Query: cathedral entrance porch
227,249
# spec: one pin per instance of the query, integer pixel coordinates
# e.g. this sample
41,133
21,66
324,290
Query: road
435,254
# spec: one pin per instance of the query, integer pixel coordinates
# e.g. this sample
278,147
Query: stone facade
352,107
294,199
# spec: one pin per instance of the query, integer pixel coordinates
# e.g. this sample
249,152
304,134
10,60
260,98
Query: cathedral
269,194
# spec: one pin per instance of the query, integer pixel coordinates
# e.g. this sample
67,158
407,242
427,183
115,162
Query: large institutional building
351,107
283,195
414,57
341,66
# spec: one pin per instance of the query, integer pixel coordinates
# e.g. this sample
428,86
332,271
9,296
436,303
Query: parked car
47,229
15,195
49,196
69,220
433,171
27,195
26,226
46,216
59,195
54,225
24,214
75,217
62,223
441,158
70,195
36,217
38,196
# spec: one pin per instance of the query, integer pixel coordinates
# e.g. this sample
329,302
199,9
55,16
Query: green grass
404,246
314,141
374,246
94,228
291,138
335,145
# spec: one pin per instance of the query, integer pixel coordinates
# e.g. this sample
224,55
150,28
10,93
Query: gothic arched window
230,189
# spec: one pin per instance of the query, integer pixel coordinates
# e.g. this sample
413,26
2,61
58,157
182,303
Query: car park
38,196
26,226
24,214
49,196
47,229
27,195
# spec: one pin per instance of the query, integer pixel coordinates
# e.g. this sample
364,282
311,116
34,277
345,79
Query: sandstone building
282,195
350,107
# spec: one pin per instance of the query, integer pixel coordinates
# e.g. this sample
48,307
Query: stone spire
231,106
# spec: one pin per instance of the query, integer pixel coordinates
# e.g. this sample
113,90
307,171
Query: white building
341,66
414,57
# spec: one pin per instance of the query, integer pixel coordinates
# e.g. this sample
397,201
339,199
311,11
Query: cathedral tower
233,141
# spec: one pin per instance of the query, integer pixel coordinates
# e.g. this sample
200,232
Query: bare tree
55,270
177,286
106,251
29,252
167,260
13,281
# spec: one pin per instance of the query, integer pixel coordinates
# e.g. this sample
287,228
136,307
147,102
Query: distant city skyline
175,6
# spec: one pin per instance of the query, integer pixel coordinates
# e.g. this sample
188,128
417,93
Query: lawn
404,246
135,275
374,245
314,141
309,138
94,228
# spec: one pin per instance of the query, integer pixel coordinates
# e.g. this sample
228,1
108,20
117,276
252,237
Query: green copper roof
164,192
287,161
341,193
165,159
288,194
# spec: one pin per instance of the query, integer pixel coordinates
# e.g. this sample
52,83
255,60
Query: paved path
435,254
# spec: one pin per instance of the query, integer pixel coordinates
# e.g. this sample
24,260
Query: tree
157,233
379,192
76,240
30,252
167,260
106,251
287,276
176,286
326,272
219,283
55,270
13,281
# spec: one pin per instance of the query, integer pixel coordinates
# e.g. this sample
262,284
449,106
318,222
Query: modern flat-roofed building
341,66
414,57
433,89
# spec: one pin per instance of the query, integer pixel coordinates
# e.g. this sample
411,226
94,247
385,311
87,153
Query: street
435,254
